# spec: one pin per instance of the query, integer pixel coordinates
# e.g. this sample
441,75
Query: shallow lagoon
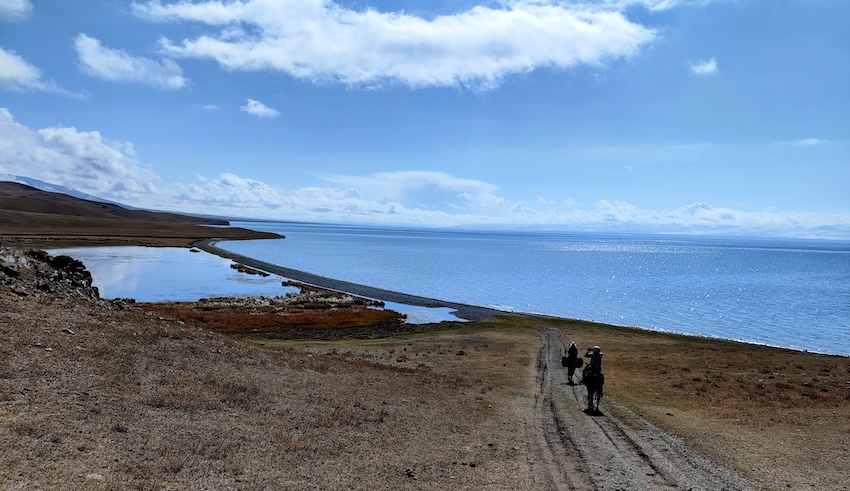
175,274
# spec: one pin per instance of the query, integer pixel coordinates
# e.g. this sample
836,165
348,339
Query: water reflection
160,274
424,315
175,274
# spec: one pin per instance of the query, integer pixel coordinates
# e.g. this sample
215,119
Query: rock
35,272
20,291
248,270
67,330
38,255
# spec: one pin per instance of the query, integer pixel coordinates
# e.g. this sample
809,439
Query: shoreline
466,312
462,311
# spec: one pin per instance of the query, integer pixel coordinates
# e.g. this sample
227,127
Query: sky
670,116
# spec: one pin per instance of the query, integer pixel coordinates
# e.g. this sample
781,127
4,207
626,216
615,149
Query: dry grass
129,401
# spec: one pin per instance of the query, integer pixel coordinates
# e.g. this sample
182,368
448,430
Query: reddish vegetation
310,313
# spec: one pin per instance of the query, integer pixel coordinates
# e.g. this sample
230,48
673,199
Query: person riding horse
595,364
593,379
571,362
572,352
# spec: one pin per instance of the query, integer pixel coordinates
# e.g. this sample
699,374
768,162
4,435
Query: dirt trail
615,449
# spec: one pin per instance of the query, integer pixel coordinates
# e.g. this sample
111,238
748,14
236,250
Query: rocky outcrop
35,272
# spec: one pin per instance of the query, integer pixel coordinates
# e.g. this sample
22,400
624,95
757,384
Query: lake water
780,292
175,274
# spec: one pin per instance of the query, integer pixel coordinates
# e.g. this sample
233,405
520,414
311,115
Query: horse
593,380
571,364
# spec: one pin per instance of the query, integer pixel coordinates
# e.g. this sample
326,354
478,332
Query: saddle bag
577,362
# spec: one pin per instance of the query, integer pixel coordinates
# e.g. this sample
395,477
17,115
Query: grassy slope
40,219
128,401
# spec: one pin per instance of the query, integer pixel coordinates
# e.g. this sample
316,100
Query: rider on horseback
572,351
593,379
595,364
571,361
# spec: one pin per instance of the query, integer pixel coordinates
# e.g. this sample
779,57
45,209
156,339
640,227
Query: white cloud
15,10
259,109
414,186
83,160
705,218
18,75
319,40
656,5
704,67
91,163
227,190
806,142
119,66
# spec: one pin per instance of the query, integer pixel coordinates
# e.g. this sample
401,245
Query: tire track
561,454
616,449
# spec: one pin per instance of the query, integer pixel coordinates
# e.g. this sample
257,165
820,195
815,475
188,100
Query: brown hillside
16,197
36,218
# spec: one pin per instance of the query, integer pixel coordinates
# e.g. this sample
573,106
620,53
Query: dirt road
615,449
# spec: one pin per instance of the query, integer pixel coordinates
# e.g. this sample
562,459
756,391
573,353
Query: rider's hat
596,348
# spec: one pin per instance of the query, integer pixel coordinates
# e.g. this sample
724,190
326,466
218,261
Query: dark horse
593,380
571,363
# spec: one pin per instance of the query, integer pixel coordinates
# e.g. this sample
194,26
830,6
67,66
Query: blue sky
654,115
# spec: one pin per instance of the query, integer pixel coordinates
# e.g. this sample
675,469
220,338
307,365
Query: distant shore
463,311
